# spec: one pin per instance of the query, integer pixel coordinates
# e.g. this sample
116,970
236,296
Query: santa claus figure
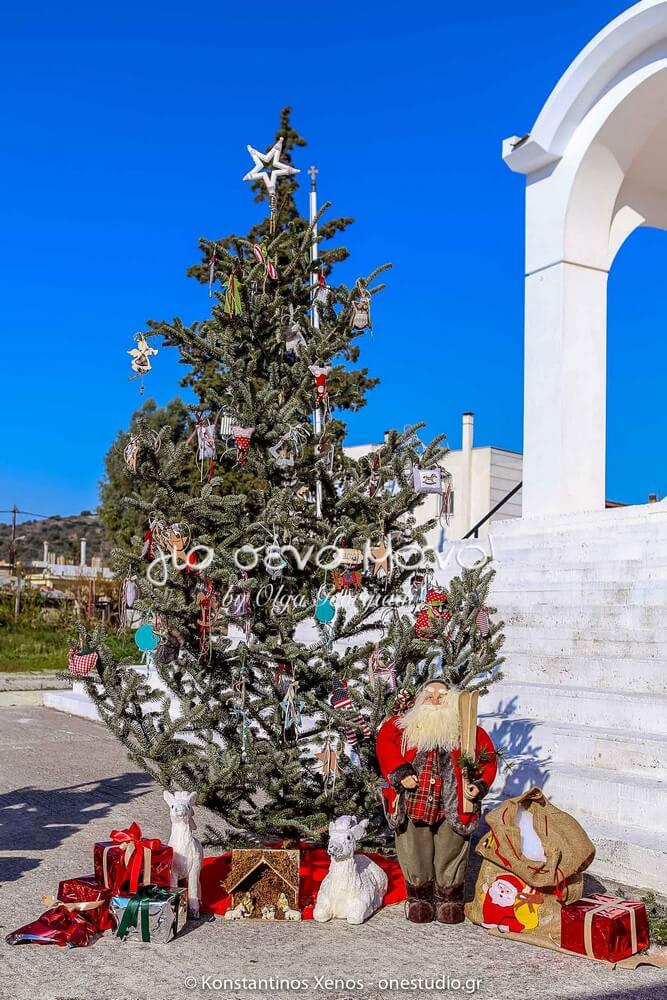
501,907
419,756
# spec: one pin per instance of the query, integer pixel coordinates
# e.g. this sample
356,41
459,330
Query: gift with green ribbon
152,914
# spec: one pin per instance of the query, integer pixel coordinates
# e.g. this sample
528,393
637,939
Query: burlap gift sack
522,895
567,848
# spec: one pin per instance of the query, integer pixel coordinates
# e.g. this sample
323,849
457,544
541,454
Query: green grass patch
41,646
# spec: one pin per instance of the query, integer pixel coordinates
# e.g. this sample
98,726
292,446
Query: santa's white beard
431,727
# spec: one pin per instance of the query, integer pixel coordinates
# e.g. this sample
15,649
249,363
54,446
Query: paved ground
65,782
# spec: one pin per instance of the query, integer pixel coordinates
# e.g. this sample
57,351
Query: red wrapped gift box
313,868
130,860
87,890
58,925
604,927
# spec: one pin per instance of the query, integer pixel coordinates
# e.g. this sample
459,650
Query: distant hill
63,535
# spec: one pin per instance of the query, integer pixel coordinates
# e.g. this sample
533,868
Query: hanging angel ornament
148,439
269,168
141,358
242,436
322,291
361,311
274,560
290,446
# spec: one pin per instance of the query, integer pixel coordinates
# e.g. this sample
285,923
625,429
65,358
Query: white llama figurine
188,852
355,886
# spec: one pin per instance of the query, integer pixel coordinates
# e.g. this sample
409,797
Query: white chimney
467,442
45,554
82,560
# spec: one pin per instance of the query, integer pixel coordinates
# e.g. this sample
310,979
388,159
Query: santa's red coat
390,757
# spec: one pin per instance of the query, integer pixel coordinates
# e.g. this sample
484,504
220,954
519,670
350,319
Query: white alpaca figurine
355,886
188,852
288,912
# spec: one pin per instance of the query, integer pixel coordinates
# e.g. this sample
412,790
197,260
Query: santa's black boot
419,906
449,904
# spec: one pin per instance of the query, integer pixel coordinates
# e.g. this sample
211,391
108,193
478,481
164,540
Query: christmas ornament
241,603
403,702
211,271
328,758
81,661
268,167
274,560
482,621
380,560
361,312
146,639
347,579
322,291
149,439
428,616
242,436
320,373
340,700
292,337
141,358
350,557
325,612
427,480
168,649
207,603
232,301
130,592
381,668
226,425
290,446
292,707
270,269
178,537
205,432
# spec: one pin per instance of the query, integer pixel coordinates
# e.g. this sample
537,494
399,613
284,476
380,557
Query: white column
467,441
565,390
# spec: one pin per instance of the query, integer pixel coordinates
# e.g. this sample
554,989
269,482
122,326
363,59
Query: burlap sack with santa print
558,846
506,905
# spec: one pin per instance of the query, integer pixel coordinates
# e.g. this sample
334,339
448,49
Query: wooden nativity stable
263,875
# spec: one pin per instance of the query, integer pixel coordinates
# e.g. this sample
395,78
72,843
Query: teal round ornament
325,611
146,639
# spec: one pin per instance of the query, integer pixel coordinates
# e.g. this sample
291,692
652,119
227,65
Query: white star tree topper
269,167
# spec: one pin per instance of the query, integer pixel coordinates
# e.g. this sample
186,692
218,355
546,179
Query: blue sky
123,140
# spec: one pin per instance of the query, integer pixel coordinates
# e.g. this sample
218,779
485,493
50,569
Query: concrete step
608,619
73,702
643,517
528,743
633,856
612,796
619,710
579,641
583,595
563,575
606,673
621,549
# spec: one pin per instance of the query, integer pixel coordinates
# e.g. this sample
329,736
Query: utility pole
12,543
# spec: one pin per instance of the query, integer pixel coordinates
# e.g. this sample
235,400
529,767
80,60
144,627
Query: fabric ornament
292,337
380,560
427,480
427,617
149,439
290,446
482,621
292,707
328,757
418,588
226,425
322,290
347,579
274,560
207,602
205,432
350,557
320,373
381,669
148,549
81,661
168,649
340,700
242,436
178,538
403,702
232,301
130,592
361,312
270,269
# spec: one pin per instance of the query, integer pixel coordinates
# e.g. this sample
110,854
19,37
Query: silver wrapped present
152,915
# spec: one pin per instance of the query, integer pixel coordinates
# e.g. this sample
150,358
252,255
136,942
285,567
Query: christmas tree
278,598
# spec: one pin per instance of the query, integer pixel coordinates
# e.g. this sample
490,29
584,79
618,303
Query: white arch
596,169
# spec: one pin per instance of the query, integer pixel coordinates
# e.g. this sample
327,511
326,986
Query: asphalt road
65,783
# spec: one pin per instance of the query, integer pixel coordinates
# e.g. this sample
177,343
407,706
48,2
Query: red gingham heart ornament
81,662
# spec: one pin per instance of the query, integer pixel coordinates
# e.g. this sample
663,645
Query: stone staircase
583,706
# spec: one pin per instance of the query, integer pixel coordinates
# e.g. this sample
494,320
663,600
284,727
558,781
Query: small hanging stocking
242,436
